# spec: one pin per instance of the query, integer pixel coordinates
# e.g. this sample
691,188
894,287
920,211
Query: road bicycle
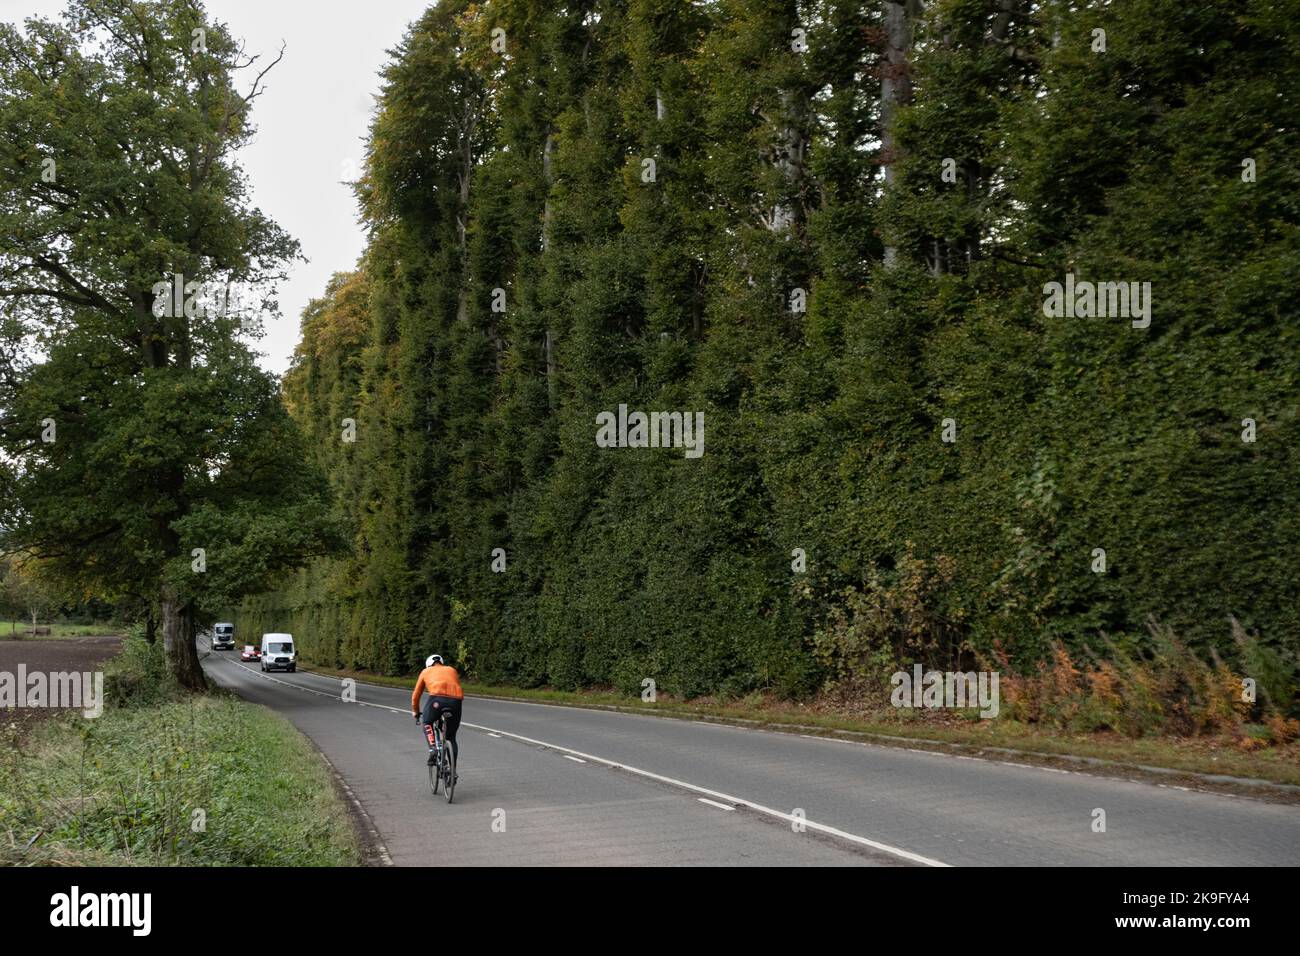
442,772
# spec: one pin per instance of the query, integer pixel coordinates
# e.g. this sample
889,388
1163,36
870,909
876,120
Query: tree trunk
550,370
974,171
547,150
178,642
462,214
895,87
789,159
150,628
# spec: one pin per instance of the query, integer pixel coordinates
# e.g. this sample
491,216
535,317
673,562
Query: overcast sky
311,122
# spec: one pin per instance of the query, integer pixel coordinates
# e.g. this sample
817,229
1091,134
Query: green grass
1189,755
159,779
16,630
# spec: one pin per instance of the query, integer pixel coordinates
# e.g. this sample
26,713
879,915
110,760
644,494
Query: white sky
311,123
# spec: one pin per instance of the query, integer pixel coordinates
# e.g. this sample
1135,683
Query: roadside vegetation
168,778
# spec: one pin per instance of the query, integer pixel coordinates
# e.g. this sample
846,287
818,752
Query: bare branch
257,89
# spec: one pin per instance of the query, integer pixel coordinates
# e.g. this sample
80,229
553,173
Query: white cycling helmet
432,659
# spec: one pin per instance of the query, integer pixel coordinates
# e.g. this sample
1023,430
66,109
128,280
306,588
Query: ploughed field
63,655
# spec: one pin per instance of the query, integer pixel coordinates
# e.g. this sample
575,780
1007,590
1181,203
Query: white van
278,653
223,637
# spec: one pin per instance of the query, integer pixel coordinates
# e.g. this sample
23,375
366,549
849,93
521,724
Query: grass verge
160,779
17,631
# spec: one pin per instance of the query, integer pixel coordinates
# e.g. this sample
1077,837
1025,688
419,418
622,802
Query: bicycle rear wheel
449,768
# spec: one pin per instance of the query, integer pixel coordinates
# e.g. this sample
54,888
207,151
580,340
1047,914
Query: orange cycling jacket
436,681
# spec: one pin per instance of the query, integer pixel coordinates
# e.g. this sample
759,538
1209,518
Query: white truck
278,653
223,637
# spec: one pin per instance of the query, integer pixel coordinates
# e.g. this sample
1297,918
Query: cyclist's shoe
433,757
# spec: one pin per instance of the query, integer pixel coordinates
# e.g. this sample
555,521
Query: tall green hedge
524,171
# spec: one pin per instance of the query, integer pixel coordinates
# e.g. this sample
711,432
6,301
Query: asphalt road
547,785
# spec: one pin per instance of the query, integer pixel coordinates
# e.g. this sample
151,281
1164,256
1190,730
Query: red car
250,653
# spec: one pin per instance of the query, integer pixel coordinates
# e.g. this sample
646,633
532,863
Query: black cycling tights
433,707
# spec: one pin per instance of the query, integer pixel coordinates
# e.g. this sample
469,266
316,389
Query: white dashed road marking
731,801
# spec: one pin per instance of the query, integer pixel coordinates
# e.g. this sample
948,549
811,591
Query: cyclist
442,684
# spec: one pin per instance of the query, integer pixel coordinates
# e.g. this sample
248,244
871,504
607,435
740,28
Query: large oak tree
144,453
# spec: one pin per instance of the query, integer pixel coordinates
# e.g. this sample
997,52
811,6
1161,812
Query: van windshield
281,648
